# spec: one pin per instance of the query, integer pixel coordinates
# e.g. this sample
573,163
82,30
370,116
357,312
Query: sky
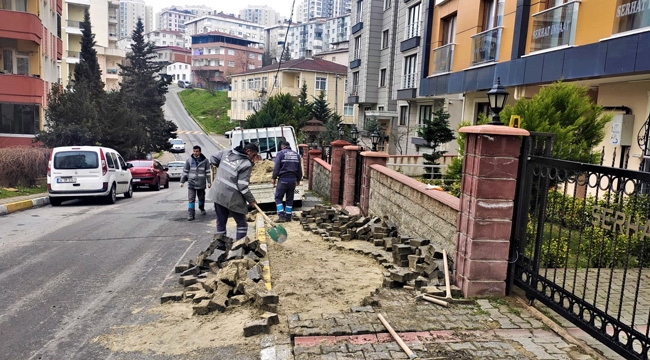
229,7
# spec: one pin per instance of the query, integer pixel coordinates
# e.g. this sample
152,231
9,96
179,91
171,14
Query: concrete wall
415,211
322,178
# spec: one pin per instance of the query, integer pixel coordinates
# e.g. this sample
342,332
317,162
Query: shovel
277,232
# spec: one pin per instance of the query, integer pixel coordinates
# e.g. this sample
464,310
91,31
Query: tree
436,132
207,76
303,108
144,92
320,108
278,109
267,58
88,68
286,54
242,61
397,136
331,132
567,111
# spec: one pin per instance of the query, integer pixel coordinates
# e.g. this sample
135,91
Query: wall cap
324,164
375,154
494,130
352,147
315,152
339,143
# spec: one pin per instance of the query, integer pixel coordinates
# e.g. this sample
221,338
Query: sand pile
262,172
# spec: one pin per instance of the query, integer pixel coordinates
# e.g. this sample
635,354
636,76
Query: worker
287,172
196,173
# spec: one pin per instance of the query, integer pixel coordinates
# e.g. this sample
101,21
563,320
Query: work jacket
233,176
287,166
196,172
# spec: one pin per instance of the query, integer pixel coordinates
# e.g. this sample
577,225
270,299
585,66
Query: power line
284,46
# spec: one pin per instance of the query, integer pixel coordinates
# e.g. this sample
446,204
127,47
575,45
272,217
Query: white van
87,171
268,139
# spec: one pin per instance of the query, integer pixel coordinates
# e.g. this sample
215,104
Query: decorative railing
409,81
412,30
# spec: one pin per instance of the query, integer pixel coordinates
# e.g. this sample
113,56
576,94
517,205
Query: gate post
369,158
350,174
486,208
337,154
304,152
313,155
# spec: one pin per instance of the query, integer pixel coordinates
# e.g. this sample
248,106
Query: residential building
224,23
174,19
250,89
312,9
274,39
217,55
104,21
337,32
307,39
167,38
130,12
173,54
30,46
261,15
339,56
342,7
179,71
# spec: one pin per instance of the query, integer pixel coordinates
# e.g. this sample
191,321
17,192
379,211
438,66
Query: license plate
136,180
66,180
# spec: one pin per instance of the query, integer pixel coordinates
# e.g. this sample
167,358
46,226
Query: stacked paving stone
218,279
415,262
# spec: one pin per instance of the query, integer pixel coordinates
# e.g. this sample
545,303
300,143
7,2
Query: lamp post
355,135
341,131
374,139
497,97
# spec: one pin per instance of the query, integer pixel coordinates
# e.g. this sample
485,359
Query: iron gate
581,244
358,177
342,180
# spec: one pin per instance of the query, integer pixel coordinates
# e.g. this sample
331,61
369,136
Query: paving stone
361,329
350,356
341,347
256,327
202,308
173,296
361,309
380,355
272,318
398,355
300,350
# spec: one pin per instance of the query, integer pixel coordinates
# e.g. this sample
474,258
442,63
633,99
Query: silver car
175,169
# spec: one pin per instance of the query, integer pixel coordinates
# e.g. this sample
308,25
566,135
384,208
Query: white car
177,145
175,169
87,171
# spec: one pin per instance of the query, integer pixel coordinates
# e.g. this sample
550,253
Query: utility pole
336,95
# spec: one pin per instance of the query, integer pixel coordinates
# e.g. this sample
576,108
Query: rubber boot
191,214
202,208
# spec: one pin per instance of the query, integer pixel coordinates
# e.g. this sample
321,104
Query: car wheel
111,198
55,201
129,193
167,184
156,187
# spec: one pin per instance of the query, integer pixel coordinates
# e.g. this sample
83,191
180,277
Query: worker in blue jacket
287,173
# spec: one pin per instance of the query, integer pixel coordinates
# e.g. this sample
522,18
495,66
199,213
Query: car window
115,161
141,163
122,163
69,160
171,165
177,141
109,161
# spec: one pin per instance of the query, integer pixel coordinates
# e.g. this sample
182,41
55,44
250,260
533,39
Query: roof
305,64
173,48
335,51
219,33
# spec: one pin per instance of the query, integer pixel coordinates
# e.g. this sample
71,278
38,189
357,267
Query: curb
23,205
260,234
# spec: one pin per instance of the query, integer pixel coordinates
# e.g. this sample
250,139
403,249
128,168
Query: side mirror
166,168
129,165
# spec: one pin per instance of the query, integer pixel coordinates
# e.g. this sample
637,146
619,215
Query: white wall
180,71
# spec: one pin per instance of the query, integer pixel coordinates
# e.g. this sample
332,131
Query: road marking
261,236
190,132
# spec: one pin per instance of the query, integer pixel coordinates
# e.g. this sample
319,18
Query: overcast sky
228,6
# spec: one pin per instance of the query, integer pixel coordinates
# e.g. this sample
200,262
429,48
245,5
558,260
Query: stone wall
413,165
322,178
416,212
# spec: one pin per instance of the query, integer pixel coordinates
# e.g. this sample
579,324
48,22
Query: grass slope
209,110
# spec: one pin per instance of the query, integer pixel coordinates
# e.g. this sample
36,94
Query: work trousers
192,194
283,188
222,218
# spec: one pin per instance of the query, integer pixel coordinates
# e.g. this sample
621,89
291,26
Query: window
251,66
492,14
243,105
359,11
382,78
109,161
231,63
403,115
265,83
386,4
425,114
251,84
259,57
234,86
355,83
380,108
413,23
19,119
410,72
249,104
231,52
321,83
449,30
357,48
384,39
348,110
257,83
15,62
251,56
275,81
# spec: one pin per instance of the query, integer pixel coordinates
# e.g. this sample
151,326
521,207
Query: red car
149,173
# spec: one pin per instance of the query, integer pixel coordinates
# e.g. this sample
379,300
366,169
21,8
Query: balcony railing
355,90
74,24
442,58
485,46
357,54
555,26
412,30
111,71
74,54
409,81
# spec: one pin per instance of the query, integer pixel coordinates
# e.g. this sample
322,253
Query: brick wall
416,212
322,178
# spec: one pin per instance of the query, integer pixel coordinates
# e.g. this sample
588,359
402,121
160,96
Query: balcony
112,19
485,46
411,37
356,62
73,27
111,52
73,57
112,36
409,87
21,88
21,25
554,27
442,59
112,73
354,95
357,27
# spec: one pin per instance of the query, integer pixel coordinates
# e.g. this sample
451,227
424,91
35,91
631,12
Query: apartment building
261,15
274,39
250,89
308,10
179,71
130,11
307,39
217,55
173,54
104,21
224,23
174,19
30,47
337,32
167,38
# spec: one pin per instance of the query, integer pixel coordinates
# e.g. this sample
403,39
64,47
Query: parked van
87,171
268,139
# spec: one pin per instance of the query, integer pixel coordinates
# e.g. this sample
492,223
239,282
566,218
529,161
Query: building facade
174,19
173,54
179,71
308,10
337,32
250,89
130,11
217,55
261,15
104,21
224,23
167,38
274,39
31,46
307,39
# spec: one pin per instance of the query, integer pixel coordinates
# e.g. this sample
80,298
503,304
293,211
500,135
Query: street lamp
355,135
341,131
497,97
374,139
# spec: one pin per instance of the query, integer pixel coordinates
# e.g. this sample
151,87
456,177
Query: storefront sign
554,27
631,15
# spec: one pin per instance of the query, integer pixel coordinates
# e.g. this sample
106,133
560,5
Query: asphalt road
69,274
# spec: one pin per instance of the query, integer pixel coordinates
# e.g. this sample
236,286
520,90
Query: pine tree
436,132
286,55
267,59
144,91
320,108
88,68
303,108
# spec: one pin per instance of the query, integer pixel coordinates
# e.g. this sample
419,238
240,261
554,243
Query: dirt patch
262,172
308,277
